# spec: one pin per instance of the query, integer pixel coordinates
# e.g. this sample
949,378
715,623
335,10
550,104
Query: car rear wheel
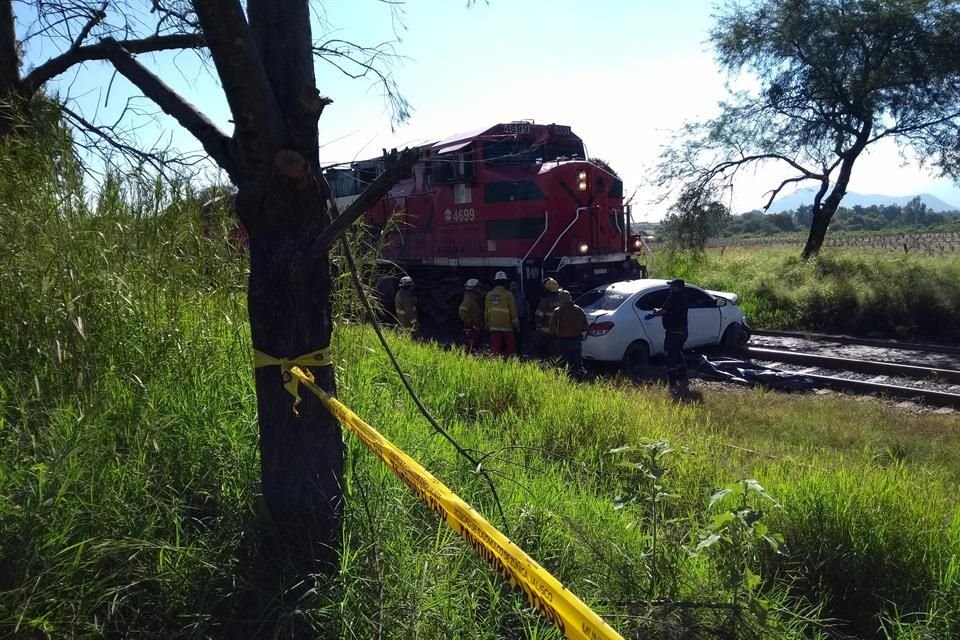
636,360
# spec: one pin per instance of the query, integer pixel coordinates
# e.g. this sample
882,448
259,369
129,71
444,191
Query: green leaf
750,580
717,496
707,542
752,485
721,520
759,607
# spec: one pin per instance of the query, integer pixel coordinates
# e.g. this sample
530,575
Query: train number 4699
460,215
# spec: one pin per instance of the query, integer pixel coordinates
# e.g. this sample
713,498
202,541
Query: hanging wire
355,277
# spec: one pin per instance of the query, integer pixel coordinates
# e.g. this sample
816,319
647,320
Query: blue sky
622,73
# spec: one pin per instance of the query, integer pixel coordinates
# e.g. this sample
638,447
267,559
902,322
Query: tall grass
860,292
129,474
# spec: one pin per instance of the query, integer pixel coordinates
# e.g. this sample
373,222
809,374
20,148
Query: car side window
697,299
652,300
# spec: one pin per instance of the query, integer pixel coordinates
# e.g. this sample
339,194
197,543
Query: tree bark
301,454
9,65
823,214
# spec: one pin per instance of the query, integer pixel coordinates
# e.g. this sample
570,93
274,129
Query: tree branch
721,167
100,51
258,120
216,143
96,17
109,137
397,167
775,192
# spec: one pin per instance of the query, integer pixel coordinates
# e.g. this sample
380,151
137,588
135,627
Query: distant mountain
803,197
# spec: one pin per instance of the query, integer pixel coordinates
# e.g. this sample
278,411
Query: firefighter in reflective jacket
500,316
543,339
471,314
405,304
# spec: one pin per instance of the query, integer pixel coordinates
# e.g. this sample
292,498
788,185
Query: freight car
518,197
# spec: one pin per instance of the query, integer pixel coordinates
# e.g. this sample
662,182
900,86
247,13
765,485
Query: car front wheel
636,360
734,337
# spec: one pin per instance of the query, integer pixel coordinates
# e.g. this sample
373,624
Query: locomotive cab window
453,167
560,148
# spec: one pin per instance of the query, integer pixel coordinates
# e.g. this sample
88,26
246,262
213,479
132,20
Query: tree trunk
284,210
822,215
9,65
301,454
818,229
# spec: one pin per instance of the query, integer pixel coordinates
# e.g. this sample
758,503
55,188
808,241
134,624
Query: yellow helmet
551,285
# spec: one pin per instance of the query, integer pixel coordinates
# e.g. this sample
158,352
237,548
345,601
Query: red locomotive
516,197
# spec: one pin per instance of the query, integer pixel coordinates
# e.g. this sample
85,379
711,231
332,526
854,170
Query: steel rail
859,366
866,342
930,396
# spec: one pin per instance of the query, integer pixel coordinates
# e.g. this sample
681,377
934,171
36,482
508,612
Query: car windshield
601,300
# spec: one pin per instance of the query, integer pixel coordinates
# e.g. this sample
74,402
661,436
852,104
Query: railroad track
930,373
867,342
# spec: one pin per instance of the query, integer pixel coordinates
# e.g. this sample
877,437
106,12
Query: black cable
477,466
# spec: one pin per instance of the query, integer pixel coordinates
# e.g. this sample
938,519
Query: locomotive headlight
582,180
637,243
584,247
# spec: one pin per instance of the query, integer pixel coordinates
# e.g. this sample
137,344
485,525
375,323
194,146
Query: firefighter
471,313
568,324
500,316
405,304
543,339
674,317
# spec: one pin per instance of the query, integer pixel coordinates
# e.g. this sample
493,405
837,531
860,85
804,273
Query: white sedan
620,331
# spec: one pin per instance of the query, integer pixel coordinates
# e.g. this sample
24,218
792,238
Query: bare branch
215,142
775,192
397,167
108,136
96,18
101,51
258,120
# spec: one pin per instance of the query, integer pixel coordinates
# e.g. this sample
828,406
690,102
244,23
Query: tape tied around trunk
318,358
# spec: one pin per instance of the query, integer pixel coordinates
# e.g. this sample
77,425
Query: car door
704,318
653,328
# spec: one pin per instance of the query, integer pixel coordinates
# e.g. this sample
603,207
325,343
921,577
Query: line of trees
913,216
692,228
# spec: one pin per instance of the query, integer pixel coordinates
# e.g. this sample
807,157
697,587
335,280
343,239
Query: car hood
732,297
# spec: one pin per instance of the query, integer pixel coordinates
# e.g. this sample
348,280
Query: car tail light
599,328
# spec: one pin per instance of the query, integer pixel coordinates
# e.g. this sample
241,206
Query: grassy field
856,291
129,471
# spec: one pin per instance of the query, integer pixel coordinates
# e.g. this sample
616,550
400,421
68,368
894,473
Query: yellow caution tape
544,592
318,358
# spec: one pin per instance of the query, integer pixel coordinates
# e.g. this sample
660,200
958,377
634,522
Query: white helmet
472,283
500,276
406,281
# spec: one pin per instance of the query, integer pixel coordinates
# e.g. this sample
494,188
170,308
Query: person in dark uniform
674,316
568,324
